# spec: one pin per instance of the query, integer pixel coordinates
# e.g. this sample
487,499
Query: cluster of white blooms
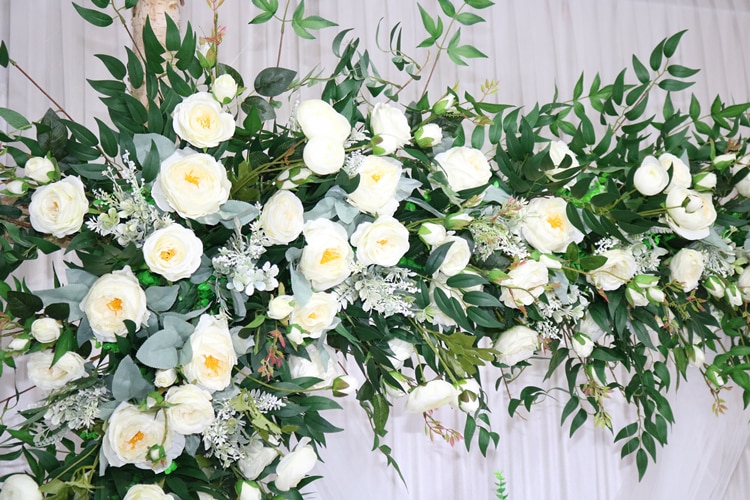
126,214
718,260
352,162
225,438
605,244
238,261
647,257
265,401
497,229
78,410
386,290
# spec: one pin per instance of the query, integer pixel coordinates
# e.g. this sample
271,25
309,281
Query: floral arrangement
223,263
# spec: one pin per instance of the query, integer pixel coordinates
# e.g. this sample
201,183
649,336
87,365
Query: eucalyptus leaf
160,349
161,298
128,383
271,82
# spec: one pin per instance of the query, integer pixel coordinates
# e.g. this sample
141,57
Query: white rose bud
723,161
432,234
444,105
690,213
257,457
733,295
190,410
516,344
696,356
465,168
705,181
49,377
293,178
20,486
174,252
457,221
680,172
16,187
18,344
389,128
431,395
558,150
324,155
525,283
547,227
618,270
146,492
199,120
317,315
38,169
469,394
282,218
213,356
165,378
317,118
457,257
743,283
714,286
46,330
655,295
315,367
428,135
327,256
224,88
590,327
650,177
249,490
686,268
382,242
58,208
635,297
402,350
743,186
378,183
399,391
345,385
582,345
280,307
295,465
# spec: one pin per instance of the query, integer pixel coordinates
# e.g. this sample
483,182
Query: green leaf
627,431
656,56
630,447
135,69
152,164
316,23
271,82
674,85
436,258
592,262
466,280
695,108
578,89
670,45
93,16
161,298
160,350
578,421
23,305
172,40
467,18
481,299
733,111
4,58
115,67
641,72
128,383
479,4
14,119
260,106
447,7
428,23
678,71
108,138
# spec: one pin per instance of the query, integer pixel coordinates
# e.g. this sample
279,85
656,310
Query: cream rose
199,120
690,213
618,270
46,330
431,395
190,410
282,218
317,118
524,284
250,491
58,208
315,366
429,135
378,182
382,242
174,252
558,150
680,172
112,299
465,168
402,350
38,169
743,186
743,283
146,492
432,234
224,89
316,315
457,257
165,378
49,377
326,258
257,456
516,344
686,268
192,184
20,486
546,226
295,465
390,126
324,155
213,354
650,177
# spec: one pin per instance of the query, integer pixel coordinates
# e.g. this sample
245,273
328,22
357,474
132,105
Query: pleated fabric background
534,46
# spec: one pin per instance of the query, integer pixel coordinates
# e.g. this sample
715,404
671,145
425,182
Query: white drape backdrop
533,46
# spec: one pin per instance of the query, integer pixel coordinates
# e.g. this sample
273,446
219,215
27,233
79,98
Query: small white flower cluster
239,263
561,311
127,215
647,257
718,260
605,244
386,290
352,163
266,402
225,437
80,410
498,230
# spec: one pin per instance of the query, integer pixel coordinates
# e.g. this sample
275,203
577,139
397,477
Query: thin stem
440,47
33,82
281,36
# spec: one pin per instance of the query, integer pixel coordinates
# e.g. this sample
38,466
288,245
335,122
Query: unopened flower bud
705,181
344,385
428,135
457,221
714,286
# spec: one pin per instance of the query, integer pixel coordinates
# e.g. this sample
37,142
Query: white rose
516,344
469,394
317,118
650,177
224,88
300,367
112,299
191,184
295,465
46,330
743,186
465,168
58,208
174,252
165,378
20,486
324,155
590,328
582,345
428,135
558,150
213,354
378,182
327,256
280,307
316,315
546,226
457,257
686,268
525,283
282,218
690,213
250,491
199,120
390,125
38,168
432,234
16,187
293,178
743,283
618,270
190,410
382,242
131,434
705,181
146,492
257,457
402,350
431,395
733,295
18,344
680,172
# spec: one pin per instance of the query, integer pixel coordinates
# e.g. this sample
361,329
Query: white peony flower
190,411
465,168
316,315
38,169
650,177
282,218
431,395
199,120
516,344
49,377
192,184
317,118
382,242
680,172
224,88
327,256
324,155
618,270
524,284
146,492
112,299
174,252
686,268
257,456
457,257
390,126
294,466
378,182
46,330
690,213
213,356
546,226
58,208
20,486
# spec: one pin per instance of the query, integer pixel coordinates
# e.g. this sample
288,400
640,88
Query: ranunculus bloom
464,167
650,177
174,252
49,377
317,118
431,395
327,256
20,486
690,213
324,155
680,172
257,457
112,299
295,465
686,268
315,366
146,492
191,411
316,315
525,283
224,88
213,354
200,121
457,257
192,184
378,182
558,150
389,124
516,344
546,226
45,330
38,168
282,218
382,242
58,208
618,270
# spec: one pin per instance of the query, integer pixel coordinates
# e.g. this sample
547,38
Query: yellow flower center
329,255
555,221
375,177
115,305
382,242
167,254
205,121
192,178
212,363
312,316
137,438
